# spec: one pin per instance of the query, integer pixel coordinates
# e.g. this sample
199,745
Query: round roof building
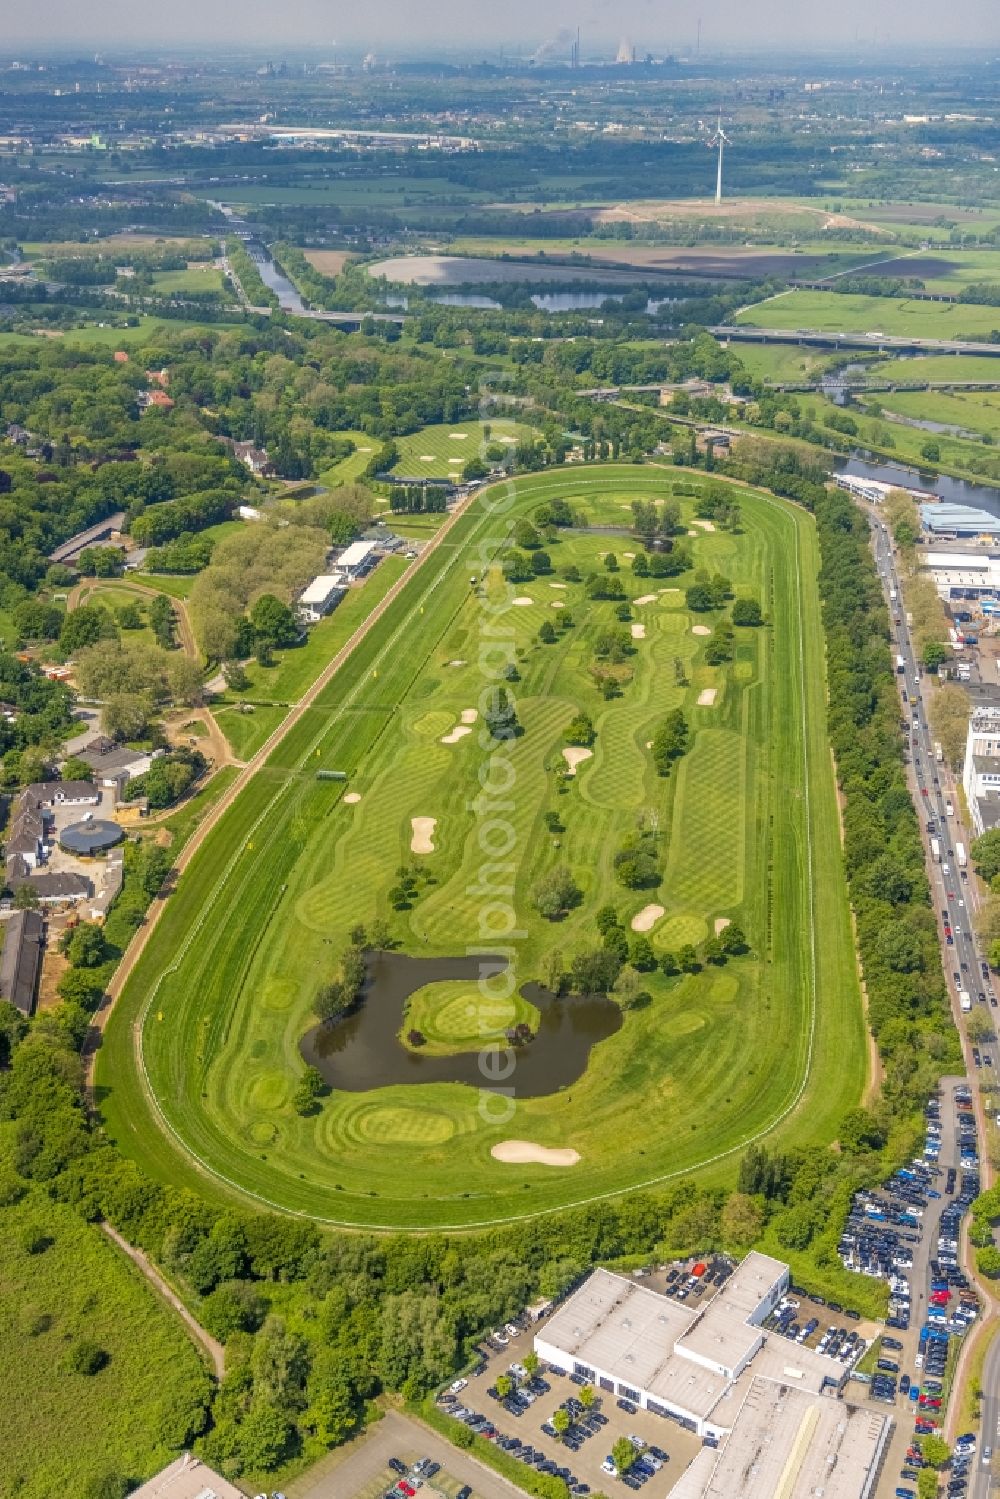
90,837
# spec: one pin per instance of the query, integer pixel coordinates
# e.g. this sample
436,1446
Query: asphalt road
950,893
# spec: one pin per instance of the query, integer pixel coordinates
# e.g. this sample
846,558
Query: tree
641,954
934,654
85,626
747,612
623,1455
988,1261
500,716
611,563
860,1131
699,597
86,946
898,947
936,1451
86,1357
556,893
504,1385
741,1221
580,730
979,1027
587,1396
75,769
541,563
332,1001
949,717
308,1091
546,632
273,622
561,1421
986,854
531,1362
670,741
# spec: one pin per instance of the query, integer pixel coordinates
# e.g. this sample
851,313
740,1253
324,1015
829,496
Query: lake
364,1051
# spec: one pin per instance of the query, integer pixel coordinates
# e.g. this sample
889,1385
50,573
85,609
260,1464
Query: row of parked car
584,1424
645,1465
524,1452
412,1477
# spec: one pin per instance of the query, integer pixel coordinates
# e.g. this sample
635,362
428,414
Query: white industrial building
322,596
981,771
678,1361
788,1443
970,573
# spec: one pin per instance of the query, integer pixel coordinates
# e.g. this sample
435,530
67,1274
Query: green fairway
832,312
771,1043
348,469
440,452
67,1430
196,278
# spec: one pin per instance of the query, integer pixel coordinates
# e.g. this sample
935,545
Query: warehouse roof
790,1445
724,1332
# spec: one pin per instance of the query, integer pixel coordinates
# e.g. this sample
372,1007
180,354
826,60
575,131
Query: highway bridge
888,343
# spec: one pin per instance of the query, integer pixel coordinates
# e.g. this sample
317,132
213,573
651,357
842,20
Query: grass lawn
65,1429
149,328
114,595
197,278
177,585
439,452
350,468
449,1016
938,367
831,312
781,362
246,732
977,411
771,1044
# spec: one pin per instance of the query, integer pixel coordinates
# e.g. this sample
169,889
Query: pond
364,1051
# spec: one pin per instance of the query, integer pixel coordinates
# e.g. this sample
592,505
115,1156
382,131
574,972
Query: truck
936,850
960,856
938,752
900,666
949,810
892,594
965,1000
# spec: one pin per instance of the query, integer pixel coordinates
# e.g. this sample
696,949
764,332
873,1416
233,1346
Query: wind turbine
720,139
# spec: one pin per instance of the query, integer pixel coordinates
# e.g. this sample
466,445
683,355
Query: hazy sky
396,27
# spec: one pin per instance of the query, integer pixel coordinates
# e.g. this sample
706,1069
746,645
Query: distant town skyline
518,25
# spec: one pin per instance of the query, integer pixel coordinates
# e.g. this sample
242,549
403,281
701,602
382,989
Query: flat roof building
947,519
322,596
676,1360
787,1444
357,558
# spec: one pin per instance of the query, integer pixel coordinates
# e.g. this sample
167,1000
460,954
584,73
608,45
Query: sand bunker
647,598
523,601
422,841
662,591
721,922
574,755
707,698
692,533
629,556
457,662
706,525
352,797
638,632
427,458
526,1153
363,450
700,630
558,604
646,919
458,436
469,715
455,734
557,585
453,461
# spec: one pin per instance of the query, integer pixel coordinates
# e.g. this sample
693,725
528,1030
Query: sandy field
646,919
700,630
706,525
574,755
328,262
422,841
721,922
638,632
522,601
707,697
526,1153
469,715
352,797
646,598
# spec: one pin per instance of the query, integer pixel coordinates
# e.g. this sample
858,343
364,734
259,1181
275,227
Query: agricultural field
833,312
440,452
745,828
66,1429
939,367
801,262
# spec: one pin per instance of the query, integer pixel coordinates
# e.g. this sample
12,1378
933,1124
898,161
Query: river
956,491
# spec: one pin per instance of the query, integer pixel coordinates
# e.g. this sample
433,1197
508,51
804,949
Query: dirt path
214,746
209,1345
135,948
